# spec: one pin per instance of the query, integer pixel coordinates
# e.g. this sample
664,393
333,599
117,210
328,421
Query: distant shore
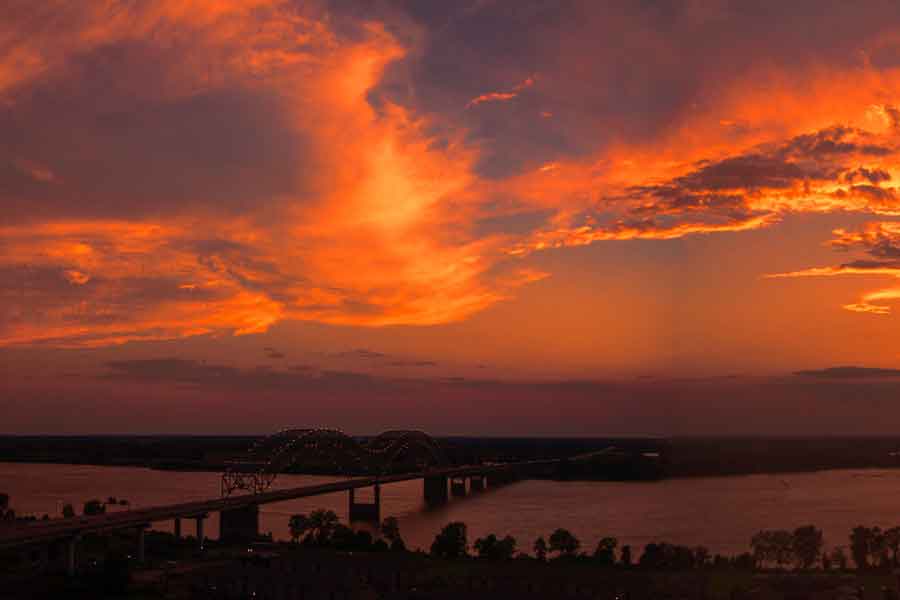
634,459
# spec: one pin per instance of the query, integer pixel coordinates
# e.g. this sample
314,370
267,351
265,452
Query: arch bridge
393,456
331,451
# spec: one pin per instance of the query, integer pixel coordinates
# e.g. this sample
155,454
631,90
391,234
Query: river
721,513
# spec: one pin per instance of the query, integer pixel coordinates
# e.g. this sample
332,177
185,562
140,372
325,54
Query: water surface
721,513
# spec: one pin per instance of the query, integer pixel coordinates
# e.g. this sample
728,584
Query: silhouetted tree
892,542
626,556
94,507
773,546
390,529
701,557
839,558
322,523
398,545
862,542
540,549
68,511
340,537
451,542
492,548
653,557
605,554
744,562
564,543
298,525
665,556
806,545
6,513
879,548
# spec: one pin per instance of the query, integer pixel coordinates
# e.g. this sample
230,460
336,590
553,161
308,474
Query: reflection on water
721,513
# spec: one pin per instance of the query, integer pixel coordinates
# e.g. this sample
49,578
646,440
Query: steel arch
255,471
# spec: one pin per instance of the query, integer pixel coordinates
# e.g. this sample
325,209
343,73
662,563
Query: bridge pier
365,511
141,546
435,488
476,483
71,556
239,524
458,487
200,538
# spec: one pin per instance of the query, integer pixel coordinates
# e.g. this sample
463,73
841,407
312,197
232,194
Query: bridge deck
37,532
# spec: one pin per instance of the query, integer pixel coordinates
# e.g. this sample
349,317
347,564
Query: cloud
174,370
412,363
850,373
227,166
224,198
880,240
362,353
273,353
35,171
502,96
383,359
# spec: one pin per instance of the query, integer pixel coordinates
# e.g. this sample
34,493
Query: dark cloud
850,373
129,152
412,363
362,353
873,176
382,359
175,370
650,64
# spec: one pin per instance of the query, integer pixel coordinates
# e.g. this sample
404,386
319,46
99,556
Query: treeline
803,548
91,507
322,529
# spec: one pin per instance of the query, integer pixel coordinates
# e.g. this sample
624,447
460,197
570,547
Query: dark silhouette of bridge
255,472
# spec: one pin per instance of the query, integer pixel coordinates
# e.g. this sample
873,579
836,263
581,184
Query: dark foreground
305,573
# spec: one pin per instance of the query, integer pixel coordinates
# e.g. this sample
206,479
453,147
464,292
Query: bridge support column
141,546
497,478
200,538
458,487
71,556
435,489
476,483
239,524
366,511
177,529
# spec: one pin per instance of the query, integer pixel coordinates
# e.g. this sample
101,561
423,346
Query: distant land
634,459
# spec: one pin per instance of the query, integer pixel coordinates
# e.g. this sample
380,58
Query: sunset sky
479,216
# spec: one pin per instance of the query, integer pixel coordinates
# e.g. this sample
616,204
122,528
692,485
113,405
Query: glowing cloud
879,240
503,96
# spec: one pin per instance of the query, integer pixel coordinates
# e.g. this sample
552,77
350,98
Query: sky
516,217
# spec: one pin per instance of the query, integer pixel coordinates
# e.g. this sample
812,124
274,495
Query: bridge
255,473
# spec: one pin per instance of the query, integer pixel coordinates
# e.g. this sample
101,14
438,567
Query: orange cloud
375,219
881,242
359,243
503,96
